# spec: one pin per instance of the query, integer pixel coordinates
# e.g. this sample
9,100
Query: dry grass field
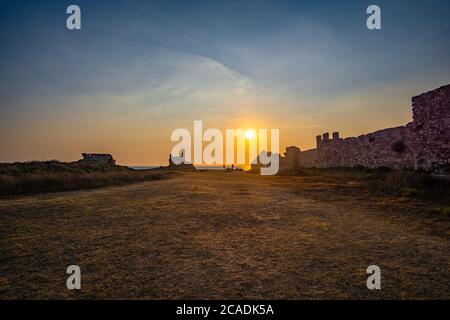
51,176
214,235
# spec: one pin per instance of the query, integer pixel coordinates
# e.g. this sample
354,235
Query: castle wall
294,158
384,148
423,143
431,119
308,158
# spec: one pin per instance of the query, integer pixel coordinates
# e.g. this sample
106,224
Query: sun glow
250,134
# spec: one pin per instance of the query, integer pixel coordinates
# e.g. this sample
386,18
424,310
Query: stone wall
308,158
385,148
99,157
423,143
431,128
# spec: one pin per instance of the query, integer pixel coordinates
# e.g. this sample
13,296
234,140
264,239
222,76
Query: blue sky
139,69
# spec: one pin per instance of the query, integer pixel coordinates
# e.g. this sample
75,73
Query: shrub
398,146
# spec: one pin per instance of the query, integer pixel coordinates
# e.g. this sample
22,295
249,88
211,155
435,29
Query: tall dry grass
36,177
384,180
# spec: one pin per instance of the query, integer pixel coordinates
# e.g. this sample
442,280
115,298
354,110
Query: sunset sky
139,69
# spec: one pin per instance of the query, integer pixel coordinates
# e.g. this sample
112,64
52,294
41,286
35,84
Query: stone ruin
423,143
99,157
180,163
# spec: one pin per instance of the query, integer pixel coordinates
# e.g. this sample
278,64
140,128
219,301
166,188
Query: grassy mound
49,176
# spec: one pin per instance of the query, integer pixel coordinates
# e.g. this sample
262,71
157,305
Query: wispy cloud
156,65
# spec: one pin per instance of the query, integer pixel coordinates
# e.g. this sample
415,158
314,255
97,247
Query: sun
249,134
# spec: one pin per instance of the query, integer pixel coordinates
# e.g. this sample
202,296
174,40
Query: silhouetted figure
232,167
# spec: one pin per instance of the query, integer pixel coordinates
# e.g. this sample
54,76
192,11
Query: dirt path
219,235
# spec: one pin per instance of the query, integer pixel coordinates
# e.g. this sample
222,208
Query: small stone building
99,157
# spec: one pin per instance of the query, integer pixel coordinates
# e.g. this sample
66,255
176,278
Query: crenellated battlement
325,137
335,135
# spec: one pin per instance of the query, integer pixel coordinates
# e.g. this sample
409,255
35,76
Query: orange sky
135,141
